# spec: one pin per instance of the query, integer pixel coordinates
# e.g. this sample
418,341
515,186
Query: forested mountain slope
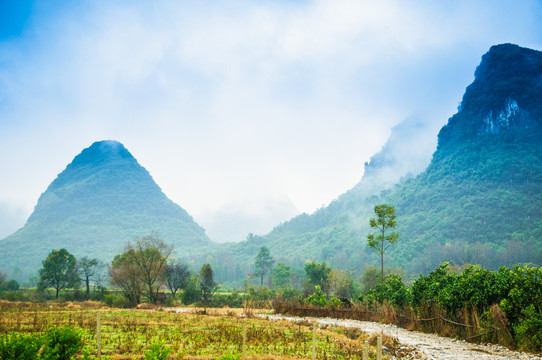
478,201
102,200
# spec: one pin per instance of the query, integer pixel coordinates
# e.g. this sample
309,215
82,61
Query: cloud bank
219,99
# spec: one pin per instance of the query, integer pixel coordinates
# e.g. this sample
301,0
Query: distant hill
102,200
478,201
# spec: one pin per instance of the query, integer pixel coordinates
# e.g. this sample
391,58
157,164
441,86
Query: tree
207,283
87,268
59,271
382,239
126,275
149,256
177,276
6,284
264,263
317,275
342,284
282,274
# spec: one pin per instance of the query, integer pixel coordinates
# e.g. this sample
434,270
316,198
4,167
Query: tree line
145,268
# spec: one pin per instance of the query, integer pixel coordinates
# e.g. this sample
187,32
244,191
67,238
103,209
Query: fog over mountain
11,218
406,153
249,213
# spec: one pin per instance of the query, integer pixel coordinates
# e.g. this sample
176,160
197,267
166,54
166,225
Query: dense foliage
57,343
517,291
59,271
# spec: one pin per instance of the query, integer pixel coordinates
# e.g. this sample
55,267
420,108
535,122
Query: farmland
205,334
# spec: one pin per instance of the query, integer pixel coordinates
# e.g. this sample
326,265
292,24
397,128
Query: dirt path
428,346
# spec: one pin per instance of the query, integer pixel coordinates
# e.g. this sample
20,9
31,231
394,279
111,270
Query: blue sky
256,109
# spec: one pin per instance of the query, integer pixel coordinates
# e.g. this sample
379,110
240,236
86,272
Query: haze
250,111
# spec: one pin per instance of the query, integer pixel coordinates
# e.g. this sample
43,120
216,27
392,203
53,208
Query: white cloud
282,97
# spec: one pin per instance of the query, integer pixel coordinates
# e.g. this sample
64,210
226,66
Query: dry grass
491,326
203,334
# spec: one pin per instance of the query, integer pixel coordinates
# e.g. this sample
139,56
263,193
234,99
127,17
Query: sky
251,111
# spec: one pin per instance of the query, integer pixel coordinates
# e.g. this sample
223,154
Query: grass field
210,334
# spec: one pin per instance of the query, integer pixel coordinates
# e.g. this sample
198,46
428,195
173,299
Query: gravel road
426,346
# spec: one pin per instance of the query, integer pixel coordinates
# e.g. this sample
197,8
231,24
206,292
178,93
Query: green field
206,334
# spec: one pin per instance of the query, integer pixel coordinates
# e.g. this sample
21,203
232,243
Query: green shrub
191,293
157,352
288,293
118,301
529,330
319,298
61,343
55,344
15,296
392,290
19,347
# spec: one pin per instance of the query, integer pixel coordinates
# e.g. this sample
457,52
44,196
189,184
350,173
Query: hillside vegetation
478,201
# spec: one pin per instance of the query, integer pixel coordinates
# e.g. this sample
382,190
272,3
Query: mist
288,98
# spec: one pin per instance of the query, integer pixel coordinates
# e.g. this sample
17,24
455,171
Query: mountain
102,200
479,200
335,233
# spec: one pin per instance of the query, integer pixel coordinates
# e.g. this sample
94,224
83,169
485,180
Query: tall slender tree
382,238
264,263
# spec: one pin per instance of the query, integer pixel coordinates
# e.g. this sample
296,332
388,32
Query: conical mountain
478,201
102,200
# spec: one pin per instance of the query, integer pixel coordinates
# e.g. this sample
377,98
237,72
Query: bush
12,285
16,296
191,293
118,301
19,347
61,343
319,298
157,352
288,293
529,330
55,344
392,290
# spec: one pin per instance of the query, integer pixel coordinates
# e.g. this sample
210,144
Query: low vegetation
151,334
473,303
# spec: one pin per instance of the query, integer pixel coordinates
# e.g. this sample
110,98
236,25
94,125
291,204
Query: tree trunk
382,266
151,293
87,281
